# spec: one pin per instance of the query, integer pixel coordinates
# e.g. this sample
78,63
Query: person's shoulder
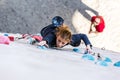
50,25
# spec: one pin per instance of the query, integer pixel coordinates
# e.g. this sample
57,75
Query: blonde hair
64,32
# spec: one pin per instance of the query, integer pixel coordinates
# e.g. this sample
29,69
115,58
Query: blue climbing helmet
57,21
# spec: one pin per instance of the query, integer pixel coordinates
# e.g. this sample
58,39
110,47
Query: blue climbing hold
76,50
30,41
117,64
102,63
107,59
88,57
6,34
42,47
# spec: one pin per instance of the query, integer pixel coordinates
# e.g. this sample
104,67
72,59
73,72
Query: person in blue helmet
51,38
57,21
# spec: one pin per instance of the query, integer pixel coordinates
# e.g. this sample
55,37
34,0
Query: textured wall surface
29,16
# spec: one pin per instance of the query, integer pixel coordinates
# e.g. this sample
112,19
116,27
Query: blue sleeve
50,38
48,34
47,29
76,39
85,39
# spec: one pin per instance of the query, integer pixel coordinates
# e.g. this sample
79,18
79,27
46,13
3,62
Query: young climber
61,36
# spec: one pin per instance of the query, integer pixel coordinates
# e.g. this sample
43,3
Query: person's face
97,21
60,42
